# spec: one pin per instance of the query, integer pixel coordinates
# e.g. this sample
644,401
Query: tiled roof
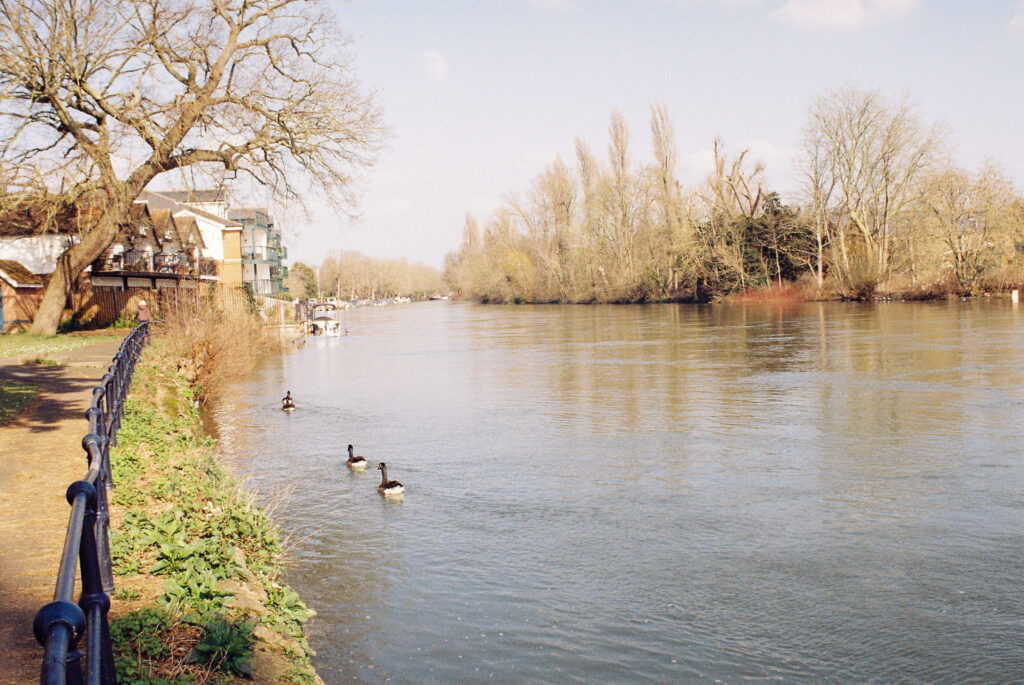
241,213
18,276
217,195
187,227
157,200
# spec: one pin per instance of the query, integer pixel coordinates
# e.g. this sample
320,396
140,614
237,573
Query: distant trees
302,281
351,275
974,216
622,232
879,211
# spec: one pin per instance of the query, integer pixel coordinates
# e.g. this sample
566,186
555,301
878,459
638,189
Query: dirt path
40,455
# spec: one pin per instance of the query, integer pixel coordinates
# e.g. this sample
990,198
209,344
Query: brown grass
215,343
787,293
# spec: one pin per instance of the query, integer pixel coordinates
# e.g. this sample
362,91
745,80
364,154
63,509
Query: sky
481,95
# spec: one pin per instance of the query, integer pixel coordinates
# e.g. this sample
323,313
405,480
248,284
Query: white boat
326,326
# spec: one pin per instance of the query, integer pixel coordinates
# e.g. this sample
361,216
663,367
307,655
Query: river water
812,493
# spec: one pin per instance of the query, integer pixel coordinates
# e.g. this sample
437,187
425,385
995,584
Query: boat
325,326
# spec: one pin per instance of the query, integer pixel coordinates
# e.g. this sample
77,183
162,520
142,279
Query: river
824,492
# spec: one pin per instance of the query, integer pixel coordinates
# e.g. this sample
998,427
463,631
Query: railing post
93,446
94,602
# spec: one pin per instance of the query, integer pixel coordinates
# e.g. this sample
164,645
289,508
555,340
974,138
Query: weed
126,593
140,638
14,396
40,361
226,646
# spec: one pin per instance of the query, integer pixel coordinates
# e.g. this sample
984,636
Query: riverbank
198,564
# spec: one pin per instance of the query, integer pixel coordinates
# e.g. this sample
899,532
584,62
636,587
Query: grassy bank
23,344
197,564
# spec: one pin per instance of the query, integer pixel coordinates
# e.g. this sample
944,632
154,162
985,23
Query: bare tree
99,97
973,214
819,183
670,238
731,194
619,199
878,152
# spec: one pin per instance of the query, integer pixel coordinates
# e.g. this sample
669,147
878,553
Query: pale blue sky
481,96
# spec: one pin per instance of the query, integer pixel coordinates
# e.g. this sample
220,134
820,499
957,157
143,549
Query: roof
157,200
18,276
216,195
188,228
242,213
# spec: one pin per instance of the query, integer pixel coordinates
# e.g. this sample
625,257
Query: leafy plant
138,639
196,592
127,593
128,542
226,646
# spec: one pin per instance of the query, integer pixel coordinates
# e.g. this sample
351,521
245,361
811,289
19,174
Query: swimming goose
355,463
287,403
388,488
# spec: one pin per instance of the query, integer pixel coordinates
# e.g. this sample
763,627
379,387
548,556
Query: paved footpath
40,455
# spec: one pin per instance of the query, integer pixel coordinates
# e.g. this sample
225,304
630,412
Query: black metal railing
59,625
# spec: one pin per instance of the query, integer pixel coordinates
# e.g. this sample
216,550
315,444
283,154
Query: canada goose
388,488
355,463
287,403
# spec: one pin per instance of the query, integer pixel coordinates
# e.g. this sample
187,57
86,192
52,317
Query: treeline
880,209
351,275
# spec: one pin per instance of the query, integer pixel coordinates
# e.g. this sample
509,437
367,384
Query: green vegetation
200,559
14,396
24,344
40,361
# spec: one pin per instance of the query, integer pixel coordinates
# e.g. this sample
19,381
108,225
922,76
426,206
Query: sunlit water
818,493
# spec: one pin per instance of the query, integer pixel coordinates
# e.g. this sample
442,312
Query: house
153,249
20,293
162,252
222,237
262,252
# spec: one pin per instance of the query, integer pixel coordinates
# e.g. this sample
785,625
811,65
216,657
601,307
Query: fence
59,625
102,306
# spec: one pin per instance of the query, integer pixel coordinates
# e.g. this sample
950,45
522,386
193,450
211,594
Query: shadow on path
40,455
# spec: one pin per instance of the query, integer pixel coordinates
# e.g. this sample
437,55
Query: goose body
388,488
287,403
355,463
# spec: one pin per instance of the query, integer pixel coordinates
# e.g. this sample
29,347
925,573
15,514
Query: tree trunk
70,265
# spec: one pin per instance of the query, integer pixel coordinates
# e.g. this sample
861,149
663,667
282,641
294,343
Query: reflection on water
822,492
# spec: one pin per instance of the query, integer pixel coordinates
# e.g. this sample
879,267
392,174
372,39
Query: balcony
253,255
207,267
263,287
